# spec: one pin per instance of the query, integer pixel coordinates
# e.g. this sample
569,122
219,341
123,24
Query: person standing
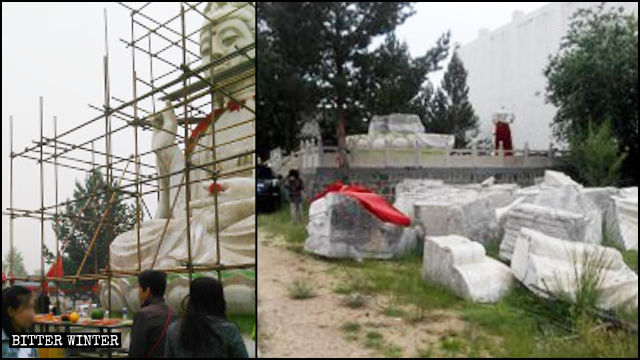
295,187
204,330
18,311
151,322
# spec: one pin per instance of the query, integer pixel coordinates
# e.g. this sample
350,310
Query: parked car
267,190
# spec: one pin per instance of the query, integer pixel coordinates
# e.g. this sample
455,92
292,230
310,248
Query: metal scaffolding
185,85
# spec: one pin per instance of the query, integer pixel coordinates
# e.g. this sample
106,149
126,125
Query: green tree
77,223
595,77
324,40
283,94
449,109
391,80
18,263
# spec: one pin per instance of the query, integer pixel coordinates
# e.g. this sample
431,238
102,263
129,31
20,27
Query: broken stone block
555,222
565,211
464,210
462,266
339,227
622,224
573,199
550,266
488,181
557,178
601,197
408,191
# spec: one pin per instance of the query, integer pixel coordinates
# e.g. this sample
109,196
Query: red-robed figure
502,133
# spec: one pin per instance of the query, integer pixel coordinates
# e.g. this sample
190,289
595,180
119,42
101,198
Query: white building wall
505,70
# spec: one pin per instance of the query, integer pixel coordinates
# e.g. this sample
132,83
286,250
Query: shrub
596,158
300,290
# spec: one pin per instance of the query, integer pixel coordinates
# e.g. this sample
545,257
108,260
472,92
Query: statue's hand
230,189
237,187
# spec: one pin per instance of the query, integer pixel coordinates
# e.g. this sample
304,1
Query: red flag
56,269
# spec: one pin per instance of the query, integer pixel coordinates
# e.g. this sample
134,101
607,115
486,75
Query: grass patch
451,345
355,301
401,280
492,248
392,351
533,327
300,290
630,257
350,327
279,222
351,330
392,311
425,352
521,324
354,284
245,323
374,340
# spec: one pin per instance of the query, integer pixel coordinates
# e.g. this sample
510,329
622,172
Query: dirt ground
312,327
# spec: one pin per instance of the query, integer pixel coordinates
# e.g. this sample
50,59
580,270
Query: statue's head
231,27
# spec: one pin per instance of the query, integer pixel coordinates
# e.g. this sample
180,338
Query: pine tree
449,110
83,221
391,80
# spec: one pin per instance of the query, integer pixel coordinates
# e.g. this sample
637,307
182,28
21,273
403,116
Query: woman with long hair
18,311
204,330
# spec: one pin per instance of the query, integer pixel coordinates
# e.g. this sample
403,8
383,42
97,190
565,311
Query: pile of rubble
550,235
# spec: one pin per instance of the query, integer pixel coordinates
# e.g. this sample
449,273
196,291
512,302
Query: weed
355,301
300,290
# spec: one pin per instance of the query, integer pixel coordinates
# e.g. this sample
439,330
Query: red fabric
56,269
503,133
4,277
203,125
371,201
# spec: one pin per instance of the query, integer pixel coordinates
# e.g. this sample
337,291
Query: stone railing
314,155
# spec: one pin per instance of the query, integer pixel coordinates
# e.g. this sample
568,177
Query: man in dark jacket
151,322
295,187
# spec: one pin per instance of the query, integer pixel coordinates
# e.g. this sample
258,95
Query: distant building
505,69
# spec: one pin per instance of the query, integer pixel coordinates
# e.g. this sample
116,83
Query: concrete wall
505,69
384,181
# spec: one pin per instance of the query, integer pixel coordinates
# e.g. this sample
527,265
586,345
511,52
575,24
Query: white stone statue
169,159
232,26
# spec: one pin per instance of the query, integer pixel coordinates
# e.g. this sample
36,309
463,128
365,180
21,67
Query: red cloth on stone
371,201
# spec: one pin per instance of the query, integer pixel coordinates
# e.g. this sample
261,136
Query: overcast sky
55,50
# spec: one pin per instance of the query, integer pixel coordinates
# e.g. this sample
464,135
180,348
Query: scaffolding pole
196,92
